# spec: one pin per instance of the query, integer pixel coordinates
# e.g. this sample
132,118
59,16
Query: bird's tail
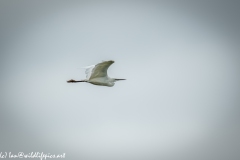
73,81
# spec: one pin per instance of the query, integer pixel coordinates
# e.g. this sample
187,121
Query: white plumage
97,75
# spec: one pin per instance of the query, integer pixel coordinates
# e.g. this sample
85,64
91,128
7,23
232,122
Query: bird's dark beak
73,81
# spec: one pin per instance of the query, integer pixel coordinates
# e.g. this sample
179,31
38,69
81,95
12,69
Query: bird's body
102,81
97,75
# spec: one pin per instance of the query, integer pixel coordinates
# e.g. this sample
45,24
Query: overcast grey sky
181,61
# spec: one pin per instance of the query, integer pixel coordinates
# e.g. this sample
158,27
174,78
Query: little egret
97,75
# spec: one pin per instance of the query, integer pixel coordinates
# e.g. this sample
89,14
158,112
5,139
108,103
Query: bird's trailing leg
118,79
73,81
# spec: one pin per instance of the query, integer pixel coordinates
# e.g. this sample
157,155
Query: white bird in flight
97,75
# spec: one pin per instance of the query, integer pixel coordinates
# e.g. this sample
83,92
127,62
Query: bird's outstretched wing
98,70
88,71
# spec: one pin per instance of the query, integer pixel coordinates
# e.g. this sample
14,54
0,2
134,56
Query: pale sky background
180,100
